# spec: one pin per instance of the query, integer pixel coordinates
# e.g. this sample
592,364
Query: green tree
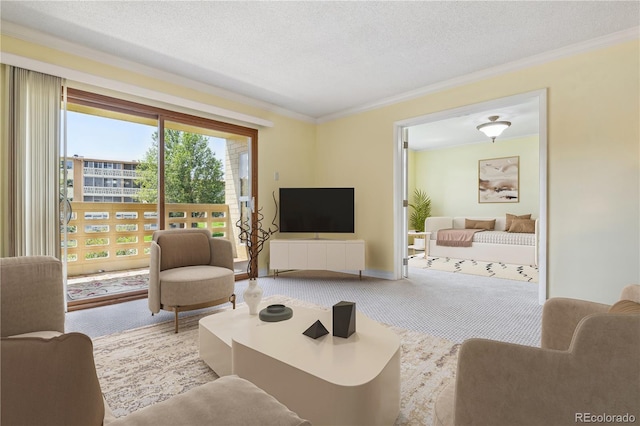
192,172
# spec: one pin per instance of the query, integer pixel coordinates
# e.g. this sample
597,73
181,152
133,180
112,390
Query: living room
592,146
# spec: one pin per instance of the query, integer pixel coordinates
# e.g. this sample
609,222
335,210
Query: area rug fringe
147,365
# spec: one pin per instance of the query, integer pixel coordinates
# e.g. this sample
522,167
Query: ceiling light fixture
493,128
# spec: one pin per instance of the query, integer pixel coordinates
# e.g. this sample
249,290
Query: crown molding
574,49
33,36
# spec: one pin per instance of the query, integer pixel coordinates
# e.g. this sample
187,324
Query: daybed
49,377
495,245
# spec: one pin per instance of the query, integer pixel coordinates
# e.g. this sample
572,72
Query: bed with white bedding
491,245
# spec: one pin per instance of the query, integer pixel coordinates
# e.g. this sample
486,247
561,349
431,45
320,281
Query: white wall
450,177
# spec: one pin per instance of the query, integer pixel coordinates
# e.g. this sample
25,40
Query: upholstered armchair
31,296
54,382
190,270
588,365
48,377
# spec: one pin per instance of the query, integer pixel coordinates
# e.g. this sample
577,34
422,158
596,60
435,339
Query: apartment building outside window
107,181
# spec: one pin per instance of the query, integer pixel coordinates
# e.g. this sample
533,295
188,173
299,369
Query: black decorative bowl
275,313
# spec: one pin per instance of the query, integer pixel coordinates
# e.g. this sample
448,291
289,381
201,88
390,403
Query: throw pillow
625,307
480,224
510,218
522,226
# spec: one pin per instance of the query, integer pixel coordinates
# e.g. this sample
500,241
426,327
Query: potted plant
421,210
254,237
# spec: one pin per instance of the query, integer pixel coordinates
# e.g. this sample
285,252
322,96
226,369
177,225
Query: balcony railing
105,190
94,171
117,236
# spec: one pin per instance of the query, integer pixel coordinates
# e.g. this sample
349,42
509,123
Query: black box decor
316,330
344,319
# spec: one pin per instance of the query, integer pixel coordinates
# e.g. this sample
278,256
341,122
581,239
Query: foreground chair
54,382
588,365
31,296
49,378
190,270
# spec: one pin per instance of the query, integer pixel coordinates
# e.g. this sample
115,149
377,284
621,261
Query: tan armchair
189,270
36,283
588,365
49,378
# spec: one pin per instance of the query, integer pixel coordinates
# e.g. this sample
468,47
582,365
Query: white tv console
335,255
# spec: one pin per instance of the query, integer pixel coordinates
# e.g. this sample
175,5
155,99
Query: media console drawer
335,255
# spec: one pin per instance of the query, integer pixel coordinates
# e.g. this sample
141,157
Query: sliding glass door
131,169
206,182
109,226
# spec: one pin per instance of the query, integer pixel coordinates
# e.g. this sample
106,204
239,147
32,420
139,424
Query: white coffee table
329,380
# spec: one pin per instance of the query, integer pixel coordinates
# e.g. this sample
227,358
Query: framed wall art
498,180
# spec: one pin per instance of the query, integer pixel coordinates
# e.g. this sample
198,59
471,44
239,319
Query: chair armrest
501,383
560,316
505,384
32,295
221,253
154,277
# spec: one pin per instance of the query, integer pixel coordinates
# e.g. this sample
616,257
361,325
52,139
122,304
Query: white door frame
400,249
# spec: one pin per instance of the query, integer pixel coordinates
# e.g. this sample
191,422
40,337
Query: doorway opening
466,116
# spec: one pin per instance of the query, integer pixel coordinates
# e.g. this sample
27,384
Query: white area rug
147,365
475,267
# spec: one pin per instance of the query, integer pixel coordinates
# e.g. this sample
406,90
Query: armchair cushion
195,284
184,249
227,401
34,371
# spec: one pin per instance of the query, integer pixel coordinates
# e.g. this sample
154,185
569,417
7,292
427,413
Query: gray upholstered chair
588,365
190,270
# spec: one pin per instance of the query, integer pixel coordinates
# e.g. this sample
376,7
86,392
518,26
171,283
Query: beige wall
593,179
287,147
450,177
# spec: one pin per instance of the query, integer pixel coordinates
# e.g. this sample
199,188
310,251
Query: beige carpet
476,267
140,367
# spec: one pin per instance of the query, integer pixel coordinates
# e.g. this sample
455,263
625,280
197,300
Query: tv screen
317,210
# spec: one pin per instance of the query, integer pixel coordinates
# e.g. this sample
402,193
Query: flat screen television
330,210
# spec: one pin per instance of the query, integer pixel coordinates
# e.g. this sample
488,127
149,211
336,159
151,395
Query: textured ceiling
322,59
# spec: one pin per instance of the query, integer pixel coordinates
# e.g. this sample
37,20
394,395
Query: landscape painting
498,180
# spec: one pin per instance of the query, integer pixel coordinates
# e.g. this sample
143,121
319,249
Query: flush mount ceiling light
493,128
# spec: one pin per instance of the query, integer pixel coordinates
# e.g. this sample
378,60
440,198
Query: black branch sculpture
256,245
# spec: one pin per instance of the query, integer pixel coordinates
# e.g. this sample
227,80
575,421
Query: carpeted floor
87,287
143,366
448,305
475,267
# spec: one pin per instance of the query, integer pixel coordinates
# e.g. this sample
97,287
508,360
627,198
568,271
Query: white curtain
33,163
